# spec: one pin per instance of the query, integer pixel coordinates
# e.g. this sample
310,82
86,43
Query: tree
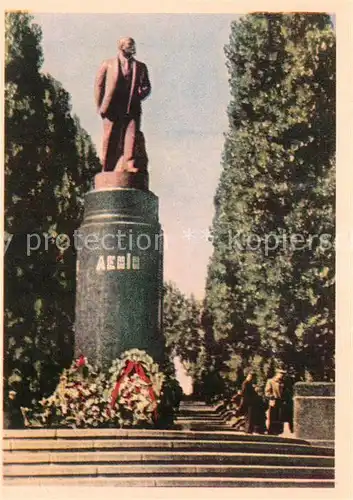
267,297
182,328
49,161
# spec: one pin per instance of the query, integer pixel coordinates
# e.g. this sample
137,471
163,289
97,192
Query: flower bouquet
80,400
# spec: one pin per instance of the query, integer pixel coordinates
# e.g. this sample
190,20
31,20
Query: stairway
200,451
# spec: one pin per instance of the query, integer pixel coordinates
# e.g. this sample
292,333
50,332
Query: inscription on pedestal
119,276
118,262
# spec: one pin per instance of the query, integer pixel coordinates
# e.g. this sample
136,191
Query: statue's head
127,46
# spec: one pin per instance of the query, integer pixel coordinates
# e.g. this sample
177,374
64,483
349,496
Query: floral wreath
86,397
136,385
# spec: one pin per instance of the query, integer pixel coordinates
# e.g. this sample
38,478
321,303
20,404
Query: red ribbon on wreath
81,361
130,367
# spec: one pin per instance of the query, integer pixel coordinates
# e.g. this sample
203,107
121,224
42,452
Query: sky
184,119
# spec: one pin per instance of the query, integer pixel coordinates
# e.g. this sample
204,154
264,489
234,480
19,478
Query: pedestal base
119,275
314,412
121,179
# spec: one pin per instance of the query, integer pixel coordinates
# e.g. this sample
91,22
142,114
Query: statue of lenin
121,84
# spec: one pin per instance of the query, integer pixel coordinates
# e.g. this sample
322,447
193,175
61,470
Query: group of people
268,412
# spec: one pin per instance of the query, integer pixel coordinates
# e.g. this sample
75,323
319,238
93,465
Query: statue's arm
145,85
99,85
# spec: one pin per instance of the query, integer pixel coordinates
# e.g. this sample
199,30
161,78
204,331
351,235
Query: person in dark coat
249,402
259,412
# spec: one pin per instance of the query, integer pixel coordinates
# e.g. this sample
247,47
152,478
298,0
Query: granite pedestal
119,274
314,412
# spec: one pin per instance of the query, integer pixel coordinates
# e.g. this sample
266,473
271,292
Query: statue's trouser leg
110,144
130,139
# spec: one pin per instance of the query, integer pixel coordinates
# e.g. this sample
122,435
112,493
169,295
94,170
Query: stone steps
225,434
237,445
175,482
192,457
201,418
216,456
126,470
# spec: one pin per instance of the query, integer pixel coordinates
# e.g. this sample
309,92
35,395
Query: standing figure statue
121,84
